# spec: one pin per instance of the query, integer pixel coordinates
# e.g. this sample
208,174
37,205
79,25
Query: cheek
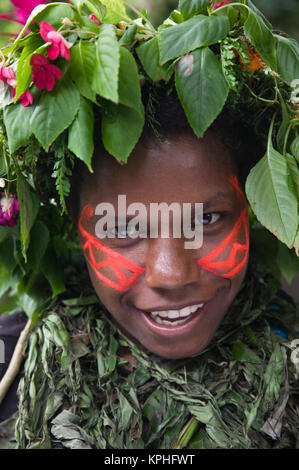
109,266
229,258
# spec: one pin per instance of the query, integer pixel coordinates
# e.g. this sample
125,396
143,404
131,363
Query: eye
209,218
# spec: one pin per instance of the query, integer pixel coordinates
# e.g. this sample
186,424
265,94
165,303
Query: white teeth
184,313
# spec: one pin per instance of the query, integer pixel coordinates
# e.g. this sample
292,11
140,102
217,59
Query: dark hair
164,117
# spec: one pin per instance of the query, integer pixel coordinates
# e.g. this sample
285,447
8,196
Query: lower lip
168,330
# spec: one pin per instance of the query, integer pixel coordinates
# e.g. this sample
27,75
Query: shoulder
10,329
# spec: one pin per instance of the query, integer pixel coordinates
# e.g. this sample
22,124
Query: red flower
59,44
43,73
24,8
26,98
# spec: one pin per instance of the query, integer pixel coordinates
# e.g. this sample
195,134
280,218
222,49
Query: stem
78,31
186,433
138,13
15,363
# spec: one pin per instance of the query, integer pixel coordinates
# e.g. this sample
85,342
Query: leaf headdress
73,61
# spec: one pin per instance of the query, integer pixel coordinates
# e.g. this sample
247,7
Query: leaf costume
80,391
81,68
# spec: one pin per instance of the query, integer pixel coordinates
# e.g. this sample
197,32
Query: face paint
114,260
230,256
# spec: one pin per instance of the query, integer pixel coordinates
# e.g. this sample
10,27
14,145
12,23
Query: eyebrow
221,196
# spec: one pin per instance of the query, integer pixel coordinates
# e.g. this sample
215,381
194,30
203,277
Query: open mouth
175,317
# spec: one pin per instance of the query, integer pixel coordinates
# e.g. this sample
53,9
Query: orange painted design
230,256
117,262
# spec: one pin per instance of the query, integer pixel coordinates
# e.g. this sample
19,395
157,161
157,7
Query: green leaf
52,271
105,80
129,36
193,7
29,206
17,124
287,58
116,11
288,262
55,112
121,130
294,174
196,76
96,7
24,68
242,352
271,198
262,38
80,140
129,85
199,31
121,133
5,94
39,240
53,14
148,54
82,66
295,148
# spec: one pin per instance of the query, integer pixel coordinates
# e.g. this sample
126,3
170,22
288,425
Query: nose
169,265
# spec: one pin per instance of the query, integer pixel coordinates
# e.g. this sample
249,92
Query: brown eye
209,218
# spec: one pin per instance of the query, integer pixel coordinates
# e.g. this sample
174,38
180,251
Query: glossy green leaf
29,206
82,67
148,54
16,120
271,197
287,58
129,36
262,38
295,148
199,31
121,133
53,14
129,85
53,272
116,11
55,112
24,68
288,262
96,7
80,140
5,94
105,80
193,7
196,76
39,240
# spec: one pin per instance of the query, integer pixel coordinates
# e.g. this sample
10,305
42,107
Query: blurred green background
284,14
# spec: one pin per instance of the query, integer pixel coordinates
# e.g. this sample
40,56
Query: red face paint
230,256
114,260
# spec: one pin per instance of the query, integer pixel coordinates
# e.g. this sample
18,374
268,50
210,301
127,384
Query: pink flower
9,209
8,74
59,44
43,73
219,4
26,98
95,19
24,8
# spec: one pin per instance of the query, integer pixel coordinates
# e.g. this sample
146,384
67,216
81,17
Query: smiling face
168,299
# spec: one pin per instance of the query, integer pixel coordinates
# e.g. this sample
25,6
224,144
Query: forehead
182,168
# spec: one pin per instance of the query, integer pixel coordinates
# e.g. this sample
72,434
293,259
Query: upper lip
172,307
